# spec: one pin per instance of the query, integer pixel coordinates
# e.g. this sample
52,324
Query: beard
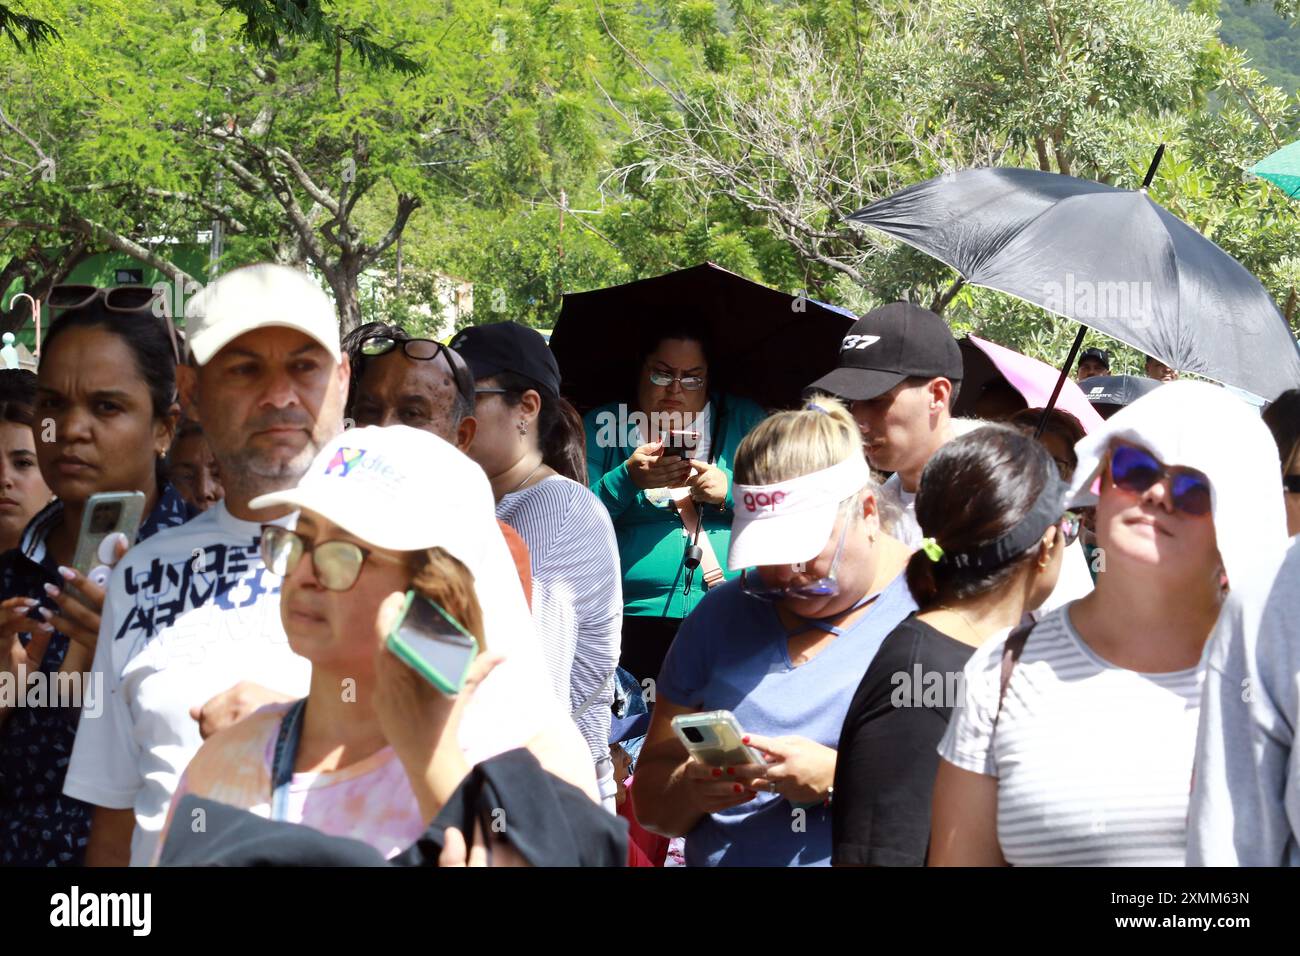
259,469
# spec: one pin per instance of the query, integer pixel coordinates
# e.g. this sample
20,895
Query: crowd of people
998,640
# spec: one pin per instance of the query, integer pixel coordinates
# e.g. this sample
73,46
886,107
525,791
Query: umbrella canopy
983,361
1282,169
1108,258
768,345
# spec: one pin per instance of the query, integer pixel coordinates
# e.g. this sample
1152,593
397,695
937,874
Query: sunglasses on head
424,350
1135,470
127,299
1069,526
336,564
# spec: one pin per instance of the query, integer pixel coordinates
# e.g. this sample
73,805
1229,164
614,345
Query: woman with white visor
782,648
1075,743
389,516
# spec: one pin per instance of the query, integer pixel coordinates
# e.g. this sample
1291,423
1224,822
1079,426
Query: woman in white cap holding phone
390,517
1075,742
782,648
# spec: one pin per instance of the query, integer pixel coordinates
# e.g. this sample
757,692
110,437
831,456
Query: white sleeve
968,741
590,556
1246,761
104,769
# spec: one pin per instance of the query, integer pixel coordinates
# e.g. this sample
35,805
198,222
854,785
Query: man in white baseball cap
190,638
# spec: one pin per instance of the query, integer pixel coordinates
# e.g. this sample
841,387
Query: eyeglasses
828,586
691,383
336,564
490,391
134,299
1135,470
1291,483
424,350
1069,526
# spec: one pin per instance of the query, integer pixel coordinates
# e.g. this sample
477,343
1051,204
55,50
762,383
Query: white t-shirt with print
188,614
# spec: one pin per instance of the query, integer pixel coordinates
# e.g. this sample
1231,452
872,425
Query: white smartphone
109,512
714,738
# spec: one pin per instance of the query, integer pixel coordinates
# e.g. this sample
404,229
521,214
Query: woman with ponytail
990,506
530,443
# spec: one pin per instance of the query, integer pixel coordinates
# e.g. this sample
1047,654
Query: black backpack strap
1010,655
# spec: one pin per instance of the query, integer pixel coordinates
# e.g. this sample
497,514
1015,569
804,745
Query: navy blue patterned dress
39,826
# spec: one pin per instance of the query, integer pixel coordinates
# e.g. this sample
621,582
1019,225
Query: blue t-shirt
732,653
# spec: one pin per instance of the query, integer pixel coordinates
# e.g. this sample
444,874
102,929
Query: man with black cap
1093,362
899,370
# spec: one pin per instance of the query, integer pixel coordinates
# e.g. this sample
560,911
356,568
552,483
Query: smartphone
21,576
109,512
432,642
714,738
680,444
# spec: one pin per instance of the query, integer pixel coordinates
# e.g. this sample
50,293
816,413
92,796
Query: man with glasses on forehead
401,380
190,637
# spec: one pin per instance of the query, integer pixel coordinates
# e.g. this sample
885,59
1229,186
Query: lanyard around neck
286,753
821,623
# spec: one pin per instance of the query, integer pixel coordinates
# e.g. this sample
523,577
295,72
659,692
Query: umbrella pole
1060,382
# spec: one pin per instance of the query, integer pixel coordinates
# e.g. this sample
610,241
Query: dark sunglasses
127,299
424,350
336,564
1135,470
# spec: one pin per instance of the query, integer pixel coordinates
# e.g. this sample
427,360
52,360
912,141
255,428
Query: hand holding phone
106,514
432,642
715,739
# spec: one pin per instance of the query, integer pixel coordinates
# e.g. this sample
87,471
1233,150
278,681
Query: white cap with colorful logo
395,487
789,521
255,297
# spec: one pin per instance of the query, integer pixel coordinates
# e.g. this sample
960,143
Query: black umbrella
1108,258
769,345
1109,393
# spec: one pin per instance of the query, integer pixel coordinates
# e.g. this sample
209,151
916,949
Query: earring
523,427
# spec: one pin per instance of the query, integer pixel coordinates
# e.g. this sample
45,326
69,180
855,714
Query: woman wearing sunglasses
375,749
657,496
1078,751
103,420
782,648
990,504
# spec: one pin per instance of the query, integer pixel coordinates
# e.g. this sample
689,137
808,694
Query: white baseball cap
395,487
255,297
791,521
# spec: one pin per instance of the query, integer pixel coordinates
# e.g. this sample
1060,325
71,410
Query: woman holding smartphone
375,749
103,419
782,648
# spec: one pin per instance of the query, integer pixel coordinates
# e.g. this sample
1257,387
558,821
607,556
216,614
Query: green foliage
23,30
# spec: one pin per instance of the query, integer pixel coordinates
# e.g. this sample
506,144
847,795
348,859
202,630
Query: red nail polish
717,772
731,771
744,740
738,788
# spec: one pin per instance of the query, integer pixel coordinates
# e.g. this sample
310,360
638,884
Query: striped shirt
1094,761
577,596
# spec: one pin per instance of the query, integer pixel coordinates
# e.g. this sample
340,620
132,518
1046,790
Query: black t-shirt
887,756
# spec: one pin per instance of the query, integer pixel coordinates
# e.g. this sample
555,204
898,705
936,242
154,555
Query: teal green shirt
651,541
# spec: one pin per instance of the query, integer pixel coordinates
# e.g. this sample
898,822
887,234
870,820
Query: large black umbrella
768,345
1108,258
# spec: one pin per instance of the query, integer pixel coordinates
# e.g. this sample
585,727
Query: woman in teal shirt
639,484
